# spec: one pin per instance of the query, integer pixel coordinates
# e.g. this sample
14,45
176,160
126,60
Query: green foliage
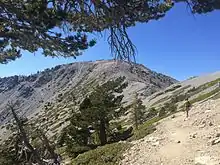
109,154
211,83
193,89
138,111
75,136
178,98
95,113
120,134
170,107
30,25
145,129
101,105
148,127
216,96
162,112
73,150
203,87
7,154
203,6
19,148
152,112
205,96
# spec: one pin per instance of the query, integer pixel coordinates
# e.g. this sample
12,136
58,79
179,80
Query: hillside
171,139
48,96
180,141
165,136
177,140
196,89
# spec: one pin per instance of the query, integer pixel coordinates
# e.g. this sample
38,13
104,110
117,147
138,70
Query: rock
192,136
207,111
178,141
202,126
209,137
218,135
185,119
215,141
202,160
172,117
210,123
156,144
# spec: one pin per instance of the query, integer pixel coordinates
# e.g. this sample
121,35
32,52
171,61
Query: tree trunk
46,142
25,137
102,132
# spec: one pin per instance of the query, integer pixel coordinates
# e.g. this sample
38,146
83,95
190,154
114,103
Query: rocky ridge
48,96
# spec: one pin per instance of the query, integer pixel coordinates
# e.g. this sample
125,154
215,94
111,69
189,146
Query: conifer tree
61,27
101,105
138,111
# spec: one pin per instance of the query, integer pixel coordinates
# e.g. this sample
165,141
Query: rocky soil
181,141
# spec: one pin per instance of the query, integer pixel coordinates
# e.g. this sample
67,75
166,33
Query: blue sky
179,45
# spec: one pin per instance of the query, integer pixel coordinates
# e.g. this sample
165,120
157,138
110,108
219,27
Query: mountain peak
35,90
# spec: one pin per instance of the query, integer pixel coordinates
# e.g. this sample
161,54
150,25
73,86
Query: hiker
187,107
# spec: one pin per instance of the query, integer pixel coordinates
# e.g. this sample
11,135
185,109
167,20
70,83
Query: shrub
162,112
74,150
172,108
152,113
193,89
109,154
205,96
173,88
145,129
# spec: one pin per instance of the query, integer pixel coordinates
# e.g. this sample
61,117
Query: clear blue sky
179,45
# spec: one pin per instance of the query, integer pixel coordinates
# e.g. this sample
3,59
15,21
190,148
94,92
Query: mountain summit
36,91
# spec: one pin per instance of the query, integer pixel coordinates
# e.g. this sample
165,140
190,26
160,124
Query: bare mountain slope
196,89
52,86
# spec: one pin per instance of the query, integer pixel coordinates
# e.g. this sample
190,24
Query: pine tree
162,112
152,112
101,105
24,137
29,25
138,111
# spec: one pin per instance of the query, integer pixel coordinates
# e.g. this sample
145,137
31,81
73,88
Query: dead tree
54,156
24,136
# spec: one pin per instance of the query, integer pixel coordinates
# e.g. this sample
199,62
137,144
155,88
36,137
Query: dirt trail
178,141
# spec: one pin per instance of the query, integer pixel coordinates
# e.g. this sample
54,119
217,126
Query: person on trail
187,107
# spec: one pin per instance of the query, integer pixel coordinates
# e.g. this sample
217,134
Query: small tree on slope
138,111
